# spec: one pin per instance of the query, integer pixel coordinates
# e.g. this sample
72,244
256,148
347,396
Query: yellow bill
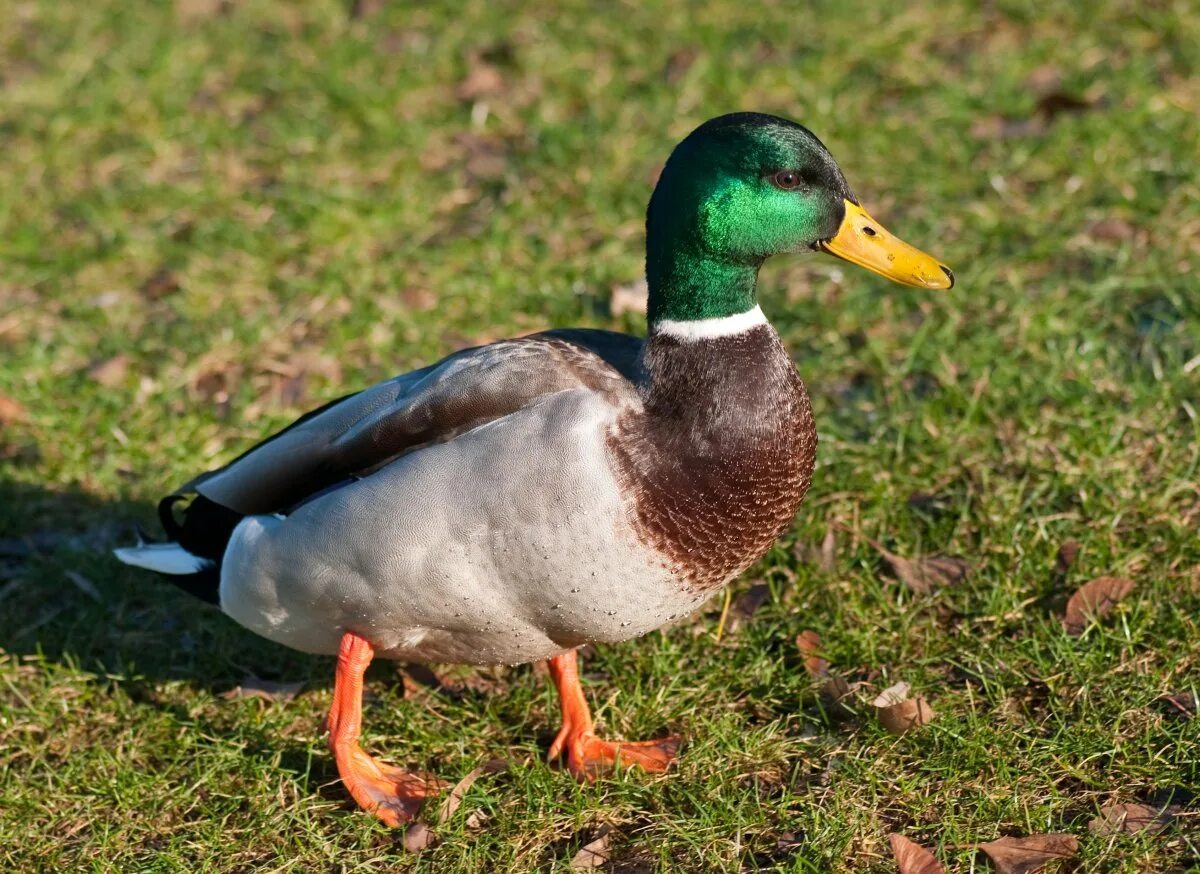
863,241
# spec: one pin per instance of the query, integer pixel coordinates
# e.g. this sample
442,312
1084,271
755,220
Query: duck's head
741,188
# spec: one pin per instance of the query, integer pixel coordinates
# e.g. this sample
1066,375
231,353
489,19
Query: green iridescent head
741,188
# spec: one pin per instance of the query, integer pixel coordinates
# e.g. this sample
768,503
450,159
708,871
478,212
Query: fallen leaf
823,557
10,411
1023,855
912,858
678,64
1181,703
1111,229
1050,104
482,80
1044,79
927,573
254,687
898,713
809,644
628,298
194,10
1094,600
418,837
84,585
1057,102
418,298
111,371
789,843
477,819
1065,557
160,283
835,688
454,799
484,157
1130,819
827,556
418,680
594,854
746,606
999,127
927,502
361,9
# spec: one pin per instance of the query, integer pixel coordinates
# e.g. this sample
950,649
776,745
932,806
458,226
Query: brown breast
721,454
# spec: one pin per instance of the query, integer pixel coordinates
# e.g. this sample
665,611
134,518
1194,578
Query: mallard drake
515,501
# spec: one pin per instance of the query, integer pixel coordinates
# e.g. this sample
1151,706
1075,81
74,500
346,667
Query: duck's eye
786,179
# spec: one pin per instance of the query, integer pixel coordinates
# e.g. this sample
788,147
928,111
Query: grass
213,216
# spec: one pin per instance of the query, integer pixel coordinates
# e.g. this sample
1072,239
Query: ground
214,215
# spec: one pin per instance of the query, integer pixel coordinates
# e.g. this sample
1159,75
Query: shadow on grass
66,599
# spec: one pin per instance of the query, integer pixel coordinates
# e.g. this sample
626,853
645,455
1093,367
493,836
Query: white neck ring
690,330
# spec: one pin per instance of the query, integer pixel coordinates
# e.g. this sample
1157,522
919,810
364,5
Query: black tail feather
203,528
205,584
206,526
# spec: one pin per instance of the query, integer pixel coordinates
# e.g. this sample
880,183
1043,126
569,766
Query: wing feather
362,432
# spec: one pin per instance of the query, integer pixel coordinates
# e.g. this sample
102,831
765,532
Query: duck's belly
506,545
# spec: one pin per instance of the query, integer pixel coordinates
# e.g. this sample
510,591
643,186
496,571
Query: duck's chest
716,464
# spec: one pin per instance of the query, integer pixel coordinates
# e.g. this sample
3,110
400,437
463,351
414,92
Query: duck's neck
712,361
689,285
722,450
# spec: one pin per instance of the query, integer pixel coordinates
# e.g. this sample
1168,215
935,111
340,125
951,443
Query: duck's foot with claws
392,794
587,755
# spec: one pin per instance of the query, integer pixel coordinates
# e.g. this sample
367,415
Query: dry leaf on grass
678,64
111,371
1067,553
809,644
924,574
10,411
454,799
912,858
420,836
823,557
159,284
1130,819
1051,102
1094,600
746,605
1111,229
195,10
477,819
594,854
1181,704
418,680
361,9
898,713
1025,855
254,687
835,688
628,298
482,80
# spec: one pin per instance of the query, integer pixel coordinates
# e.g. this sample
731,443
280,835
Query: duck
518,500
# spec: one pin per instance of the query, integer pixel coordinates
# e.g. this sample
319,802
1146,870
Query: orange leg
587,755
392,794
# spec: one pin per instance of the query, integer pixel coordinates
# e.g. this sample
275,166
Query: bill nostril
870,232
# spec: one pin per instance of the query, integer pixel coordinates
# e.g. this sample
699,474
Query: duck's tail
191,557
165,558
